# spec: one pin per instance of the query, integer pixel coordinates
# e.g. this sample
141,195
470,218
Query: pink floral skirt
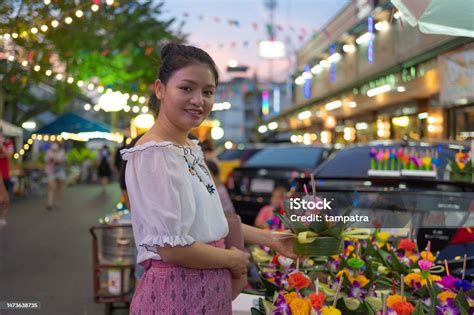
175,290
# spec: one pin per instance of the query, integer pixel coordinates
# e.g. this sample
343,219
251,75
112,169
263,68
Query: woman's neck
168,132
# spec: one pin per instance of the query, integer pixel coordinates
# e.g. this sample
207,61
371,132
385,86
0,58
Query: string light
95,8
34,30
136,109
44,28
79,13
68,20
15,35
54,23
48,72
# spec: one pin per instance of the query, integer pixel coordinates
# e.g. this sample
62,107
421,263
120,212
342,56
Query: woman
177,217
56,172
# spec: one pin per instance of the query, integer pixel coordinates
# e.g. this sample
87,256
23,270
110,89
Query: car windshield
228,155
355,162
294,157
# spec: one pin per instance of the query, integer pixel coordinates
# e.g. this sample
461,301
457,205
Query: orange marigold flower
290,297
443,296
317,299
298,280
403,308
407,244
299,306
392,299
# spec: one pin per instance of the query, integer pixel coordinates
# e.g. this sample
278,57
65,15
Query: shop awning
74,124
446,17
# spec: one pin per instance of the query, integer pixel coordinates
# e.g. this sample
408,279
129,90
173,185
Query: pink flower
425,264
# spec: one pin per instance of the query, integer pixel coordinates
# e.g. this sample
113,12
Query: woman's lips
194,112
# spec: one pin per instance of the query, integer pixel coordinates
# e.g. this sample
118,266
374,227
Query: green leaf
419,308
461,300
321,246
255,311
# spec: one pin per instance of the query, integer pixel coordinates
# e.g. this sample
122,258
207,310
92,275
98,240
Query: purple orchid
355,291
333,265
282,308
463,285
372,153
448,308
448,282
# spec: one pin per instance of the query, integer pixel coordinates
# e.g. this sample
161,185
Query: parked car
233,158
444,208
251,185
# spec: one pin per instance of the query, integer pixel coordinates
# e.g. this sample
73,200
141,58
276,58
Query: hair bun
168,49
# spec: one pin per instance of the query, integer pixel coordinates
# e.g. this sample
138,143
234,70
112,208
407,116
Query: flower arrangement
378,275
461,167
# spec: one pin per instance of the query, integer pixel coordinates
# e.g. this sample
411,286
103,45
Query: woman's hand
239,261
283,246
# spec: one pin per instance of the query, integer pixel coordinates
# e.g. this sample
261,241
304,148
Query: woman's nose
197,99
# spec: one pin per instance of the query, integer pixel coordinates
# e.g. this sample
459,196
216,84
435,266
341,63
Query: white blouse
173,198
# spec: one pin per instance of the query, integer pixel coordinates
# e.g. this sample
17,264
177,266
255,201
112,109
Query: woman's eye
209,93
185,88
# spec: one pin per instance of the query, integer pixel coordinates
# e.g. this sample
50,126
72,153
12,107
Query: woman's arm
203,256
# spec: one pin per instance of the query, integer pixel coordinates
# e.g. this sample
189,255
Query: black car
441,210
251,185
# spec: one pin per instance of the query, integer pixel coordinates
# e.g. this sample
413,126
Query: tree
115,47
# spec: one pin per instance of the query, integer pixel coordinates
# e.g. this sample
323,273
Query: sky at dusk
206,23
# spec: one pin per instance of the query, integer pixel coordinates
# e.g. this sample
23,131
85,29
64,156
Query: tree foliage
115,47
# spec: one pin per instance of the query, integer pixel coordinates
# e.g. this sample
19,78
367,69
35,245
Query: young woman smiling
178,221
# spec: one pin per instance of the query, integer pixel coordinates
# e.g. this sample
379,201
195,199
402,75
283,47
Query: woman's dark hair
154,104
176,56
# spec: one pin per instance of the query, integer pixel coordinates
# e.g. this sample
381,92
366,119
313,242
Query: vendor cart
113,260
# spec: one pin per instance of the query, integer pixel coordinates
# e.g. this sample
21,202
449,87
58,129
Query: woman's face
188,96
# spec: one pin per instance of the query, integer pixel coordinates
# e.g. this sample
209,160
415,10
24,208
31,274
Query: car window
297,157
228,155
355,162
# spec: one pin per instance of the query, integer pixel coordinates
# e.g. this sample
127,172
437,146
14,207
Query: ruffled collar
191,152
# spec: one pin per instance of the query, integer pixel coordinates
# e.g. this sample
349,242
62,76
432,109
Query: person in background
266,218
209,149
227,204
4,202
104,170
56,171
6,152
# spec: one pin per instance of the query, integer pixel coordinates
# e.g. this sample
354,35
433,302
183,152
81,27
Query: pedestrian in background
104,171
56,171
227,204
6,152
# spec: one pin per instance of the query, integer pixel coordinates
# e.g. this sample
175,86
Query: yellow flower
413,258
290,297
330,310
432,278
416,277
392,299
362,280
430,256
382,236
443,296
299,306
345,271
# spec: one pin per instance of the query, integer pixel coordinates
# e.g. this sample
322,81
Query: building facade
374,77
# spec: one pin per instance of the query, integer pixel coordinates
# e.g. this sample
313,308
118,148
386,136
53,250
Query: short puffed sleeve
160,197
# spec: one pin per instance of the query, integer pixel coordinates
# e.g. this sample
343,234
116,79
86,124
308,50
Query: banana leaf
321,246
418,309
269,287
461,301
